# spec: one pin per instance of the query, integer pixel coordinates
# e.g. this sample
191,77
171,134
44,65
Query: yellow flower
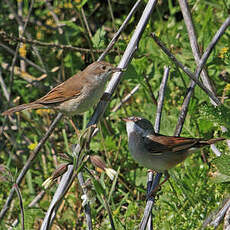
39,35
57,10
223,51
227,87
68,5
22,50
41,112
49,22
32,146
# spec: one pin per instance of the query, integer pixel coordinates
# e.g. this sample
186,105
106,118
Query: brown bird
75,95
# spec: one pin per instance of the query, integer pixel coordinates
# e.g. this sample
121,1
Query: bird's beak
118,69
126,119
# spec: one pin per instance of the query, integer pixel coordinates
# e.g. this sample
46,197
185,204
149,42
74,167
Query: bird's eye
103,67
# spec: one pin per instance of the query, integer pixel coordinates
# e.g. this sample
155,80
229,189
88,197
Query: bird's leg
159,185
75,128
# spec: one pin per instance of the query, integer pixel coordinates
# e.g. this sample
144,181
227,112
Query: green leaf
98,187
217,115
220,178
99,38
223,164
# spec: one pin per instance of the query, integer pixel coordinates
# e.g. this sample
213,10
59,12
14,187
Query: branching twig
117,34
185,69
193,42
9,50
20,22
11,38
203,60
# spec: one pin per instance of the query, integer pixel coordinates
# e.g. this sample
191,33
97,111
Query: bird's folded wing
65,91
160,144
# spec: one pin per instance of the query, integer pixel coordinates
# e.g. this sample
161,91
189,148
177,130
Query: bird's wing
159,144
65,91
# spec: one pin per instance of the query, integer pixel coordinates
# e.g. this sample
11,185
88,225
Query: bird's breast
158,161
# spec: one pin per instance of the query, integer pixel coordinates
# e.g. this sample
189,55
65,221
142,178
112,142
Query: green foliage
98,38
192,193
214,116
222,172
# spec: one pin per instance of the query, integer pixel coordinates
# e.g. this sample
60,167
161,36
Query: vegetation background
196,188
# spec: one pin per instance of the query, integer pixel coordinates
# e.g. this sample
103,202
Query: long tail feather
22,107
214,140
203,143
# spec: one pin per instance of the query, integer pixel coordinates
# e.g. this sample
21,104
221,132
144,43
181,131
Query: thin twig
11,38
9,50
87,206
86,23
55,17
126,98
161,99
150,203
28,163
211,45
203,59
193,42
150,90
109,212
215,219
185,69
20,22
117,34
37,199
20,32
4,89
227,220
21,204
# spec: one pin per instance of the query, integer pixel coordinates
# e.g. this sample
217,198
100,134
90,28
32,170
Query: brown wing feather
156,144
65,91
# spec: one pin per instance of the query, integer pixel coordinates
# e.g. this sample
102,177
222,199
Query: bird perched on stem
75,95
156,151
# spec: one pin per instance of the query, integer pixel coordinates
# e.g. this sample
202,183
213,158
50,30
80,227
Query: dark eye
103,67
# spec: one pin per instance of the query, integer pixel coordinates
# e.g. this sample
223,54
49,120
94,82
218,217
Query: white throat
131,127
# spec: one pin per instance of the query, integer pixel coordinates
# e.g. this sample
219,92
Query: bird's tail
22,107
211,141
214,140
